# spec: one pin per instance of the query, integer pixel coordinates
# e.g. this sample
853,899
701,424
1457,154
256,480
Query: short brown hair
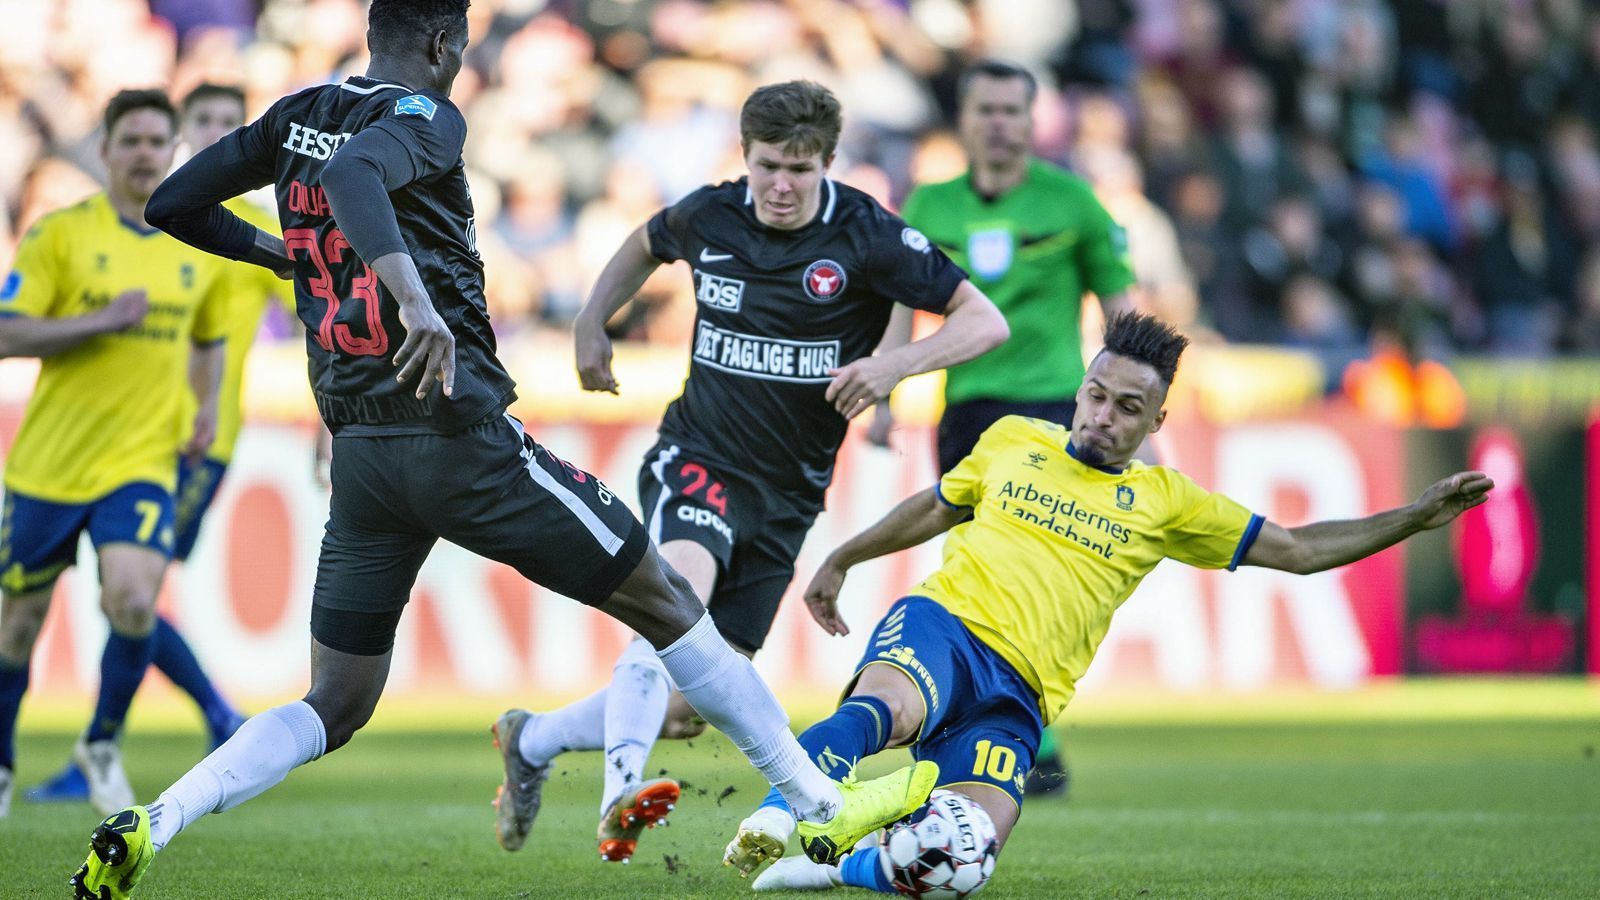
802,117
212,91
131,101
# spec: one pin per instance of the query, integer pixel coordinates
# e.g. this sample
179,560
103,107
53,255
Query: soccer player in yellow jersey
1050,531
125,320
207,112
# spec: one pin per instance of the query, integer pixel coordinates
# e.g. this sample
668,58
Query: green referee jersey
1034,251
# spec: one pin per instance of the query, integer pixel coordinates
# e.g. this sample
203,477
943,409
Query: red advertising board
476,626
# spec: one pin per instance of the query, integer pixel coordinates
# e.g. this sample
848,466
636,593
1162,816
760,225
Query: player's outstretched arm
972,327
1327,545
188,204
619,281
918,518
43,336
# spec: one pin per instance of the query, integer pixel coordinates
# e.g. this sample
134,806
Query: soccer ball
945,849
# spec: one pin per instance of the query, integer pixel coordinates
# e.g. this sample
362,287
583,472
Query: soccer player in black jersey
378,234
795,277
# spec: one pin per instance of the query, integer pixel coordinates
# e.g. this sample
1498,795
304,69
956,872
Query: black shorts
963,423
753,530
489,489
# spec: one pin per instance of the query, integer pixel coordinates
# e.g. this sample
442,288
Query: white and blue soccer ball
945,849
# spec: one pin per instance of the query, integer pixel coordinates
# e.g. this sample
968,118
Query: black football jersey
777,310
352,323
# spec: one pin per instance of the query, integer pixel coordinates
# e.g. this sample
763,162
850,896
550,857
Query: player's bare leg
21,619
130,578
635,712
345,688
1003,811
724,688
636,707
764,834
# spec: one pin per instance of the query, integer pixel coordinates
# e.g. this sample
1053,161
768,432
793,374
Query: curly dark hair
392,24
1146,339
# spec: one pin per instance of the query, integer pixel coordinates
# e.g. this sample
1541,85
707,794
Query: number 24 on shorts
714,494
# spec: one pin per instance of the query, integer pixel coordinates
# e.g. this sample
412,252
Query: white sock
725,690
636,705
772,820
580,725
264,749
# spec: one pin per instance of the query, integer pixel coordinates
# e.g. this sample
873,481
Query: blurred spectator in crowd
1527,267
1318,319
1252,157
1288,170
1292,242
1585,334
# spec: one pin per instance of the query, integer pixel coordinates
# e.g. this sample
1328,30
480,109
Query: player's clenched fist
862,383
593,349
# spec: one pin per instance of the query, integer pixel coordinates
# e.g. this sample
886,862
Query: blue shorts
197,487
39,539
983,723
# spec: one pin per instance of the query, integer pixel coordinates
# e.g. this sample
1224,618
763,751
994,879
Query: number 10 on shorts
999,763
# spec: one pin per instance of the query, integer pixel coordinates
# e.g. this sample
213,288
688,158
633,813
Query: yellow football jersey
1056,545
249,291
106,412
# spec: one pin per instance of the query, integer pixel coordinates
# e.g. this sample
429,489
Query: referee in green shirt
1034,238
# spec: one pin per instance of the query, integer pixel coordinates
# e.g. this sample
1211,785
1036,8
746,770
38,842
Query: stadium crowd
1324,174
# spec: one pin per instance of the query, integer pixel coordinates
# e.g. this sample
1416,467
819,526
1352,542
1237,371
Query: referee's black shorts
489,489
963,423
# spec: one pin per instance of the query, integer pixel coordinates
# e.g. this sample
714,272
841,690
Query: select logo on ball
824,281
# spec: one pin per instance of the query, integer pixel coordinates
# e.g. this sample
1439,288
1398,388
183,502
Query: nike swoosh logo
707,256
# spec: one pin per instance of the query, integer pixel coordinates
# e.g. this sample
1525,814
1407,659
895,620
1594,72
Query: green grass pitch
1386,807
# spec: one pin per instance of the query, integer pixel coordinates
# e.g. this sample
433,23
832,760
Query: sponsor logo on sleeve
914,239
12,287
824,281
755,356
416,105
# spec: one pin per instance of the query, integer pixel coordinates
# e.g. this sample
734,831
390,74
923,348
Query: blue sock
13,684
856,730
122,667
175,660
862,869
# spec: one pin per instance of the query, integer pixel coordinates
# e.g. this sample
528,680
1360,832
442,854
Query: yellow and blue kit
97,448
996,639
250,290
